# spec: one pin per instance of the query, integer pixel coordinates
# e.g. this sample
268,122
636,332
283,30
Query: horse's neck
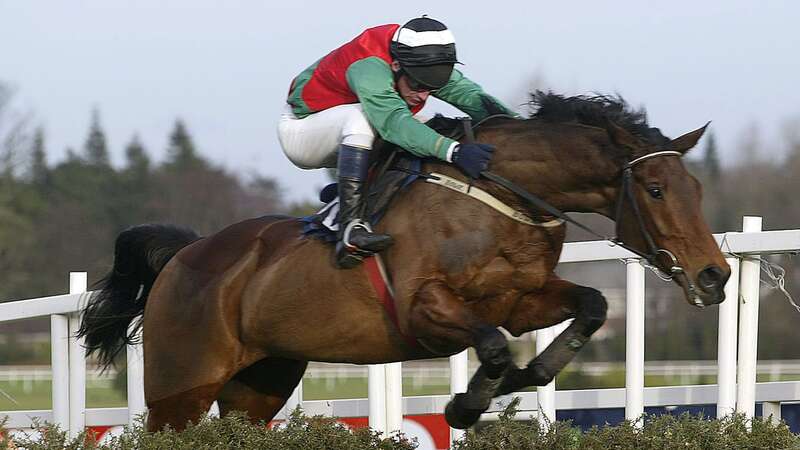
567,170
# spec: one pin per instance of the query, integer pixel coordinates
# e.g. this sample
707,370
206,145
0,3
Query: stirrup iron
355,223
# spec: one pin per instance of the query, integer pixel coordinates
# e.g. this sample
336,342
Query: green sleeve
469,97
372,81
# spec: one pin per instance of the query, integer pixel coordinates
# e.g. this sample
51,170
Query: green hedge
665,432
304,433
232,432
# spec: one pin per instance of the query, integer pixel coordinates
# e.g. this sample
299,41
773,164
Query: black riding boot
356,239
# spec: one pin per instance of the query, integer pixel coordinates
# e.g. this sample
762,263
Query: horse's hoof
459,417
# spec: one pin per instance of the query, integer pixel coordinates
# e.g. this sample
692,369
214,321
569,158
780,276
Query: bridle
626,192
626,195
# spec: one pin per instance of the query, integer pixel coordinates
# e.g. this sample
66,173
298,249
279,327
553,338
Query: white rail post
294,400
77,362
771,411
748,327
394,397
59,357
546,395
634,341
726,343
135,381
459,379
376,387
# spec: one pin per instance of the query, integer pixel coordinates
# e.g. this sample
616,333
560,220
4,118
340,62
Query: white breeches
313,141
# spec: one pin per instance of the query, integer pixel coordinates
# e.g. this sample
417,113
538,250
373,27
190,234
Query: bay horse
236,316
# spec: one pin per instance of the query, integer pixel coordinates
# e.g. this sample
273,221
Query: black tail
139,255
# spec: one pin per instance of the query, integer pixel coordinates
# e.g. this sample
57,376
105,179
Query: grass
38,395
100,394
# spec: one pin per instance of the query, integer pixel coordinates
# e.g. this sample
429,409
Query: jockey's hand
473,158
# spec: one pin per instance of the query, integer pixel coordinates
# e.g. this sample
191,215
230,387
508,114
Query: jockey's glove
473,158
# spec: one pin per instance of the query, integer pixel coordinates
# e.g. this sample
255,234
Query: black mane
595,111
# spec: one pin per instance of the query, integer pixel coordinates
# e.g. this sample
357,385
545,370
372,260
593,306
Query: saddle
392,169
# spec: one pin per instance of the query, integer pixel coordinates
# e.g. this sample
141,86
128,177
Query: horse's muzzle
711,282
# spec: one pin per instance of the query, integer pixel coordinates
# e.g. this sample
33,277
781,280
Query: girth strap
379,279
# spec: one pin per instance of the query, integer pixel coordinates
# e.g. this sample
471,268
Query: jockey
374,85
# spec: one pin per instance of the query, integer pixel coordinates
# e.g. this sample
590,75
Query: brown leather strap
469,135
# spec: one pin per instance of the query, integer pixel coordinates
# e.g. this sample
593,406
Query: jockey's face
413,95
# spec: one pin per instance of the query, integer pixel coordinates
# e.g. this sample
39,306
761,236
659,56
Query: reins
626,194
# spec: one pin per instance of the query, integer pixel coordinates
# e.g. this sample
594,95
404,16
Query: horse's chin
701,298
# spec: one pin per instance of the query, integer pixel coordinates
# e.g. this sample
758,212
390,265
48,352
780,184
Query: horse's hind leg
262,389
178,409
439,317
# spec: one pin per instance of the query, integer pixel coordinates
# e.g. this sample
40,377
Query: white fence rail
384,406
420,372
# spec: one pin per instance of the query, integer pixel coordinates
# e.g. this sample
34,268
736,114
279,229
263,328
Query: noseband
626,195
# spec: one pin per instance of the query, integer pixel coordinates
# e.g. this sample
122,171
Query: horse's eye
655,192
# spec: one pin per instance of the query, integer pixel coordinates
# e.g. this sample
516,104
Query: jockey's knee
357,132
313,141
362,141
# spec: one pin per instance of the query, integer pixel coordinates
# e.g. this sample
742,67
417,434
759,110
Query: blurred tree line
60,217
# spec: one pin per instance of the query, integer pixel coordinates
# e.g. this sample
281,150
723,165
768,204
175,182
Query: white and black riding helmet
426,51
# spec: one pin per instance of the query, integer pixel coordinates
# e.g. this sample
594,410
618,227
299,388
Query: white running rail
386,403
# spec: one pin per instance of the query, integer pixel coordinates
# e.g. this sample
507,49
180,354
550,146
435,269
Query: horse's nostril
711,278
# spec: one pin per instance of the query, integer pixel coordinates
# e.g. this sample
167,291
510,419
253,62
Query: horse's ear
685,143
624,138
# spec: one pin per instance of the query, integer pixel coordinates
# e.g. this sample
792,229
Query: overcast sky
224,67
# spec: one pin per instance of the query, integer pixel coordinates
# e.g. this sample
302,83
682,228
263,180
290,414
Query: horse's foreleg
558,301
440,318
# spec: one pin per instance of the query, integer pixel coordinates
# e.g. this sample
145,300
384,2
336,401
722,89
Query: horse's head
657,212
595,154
